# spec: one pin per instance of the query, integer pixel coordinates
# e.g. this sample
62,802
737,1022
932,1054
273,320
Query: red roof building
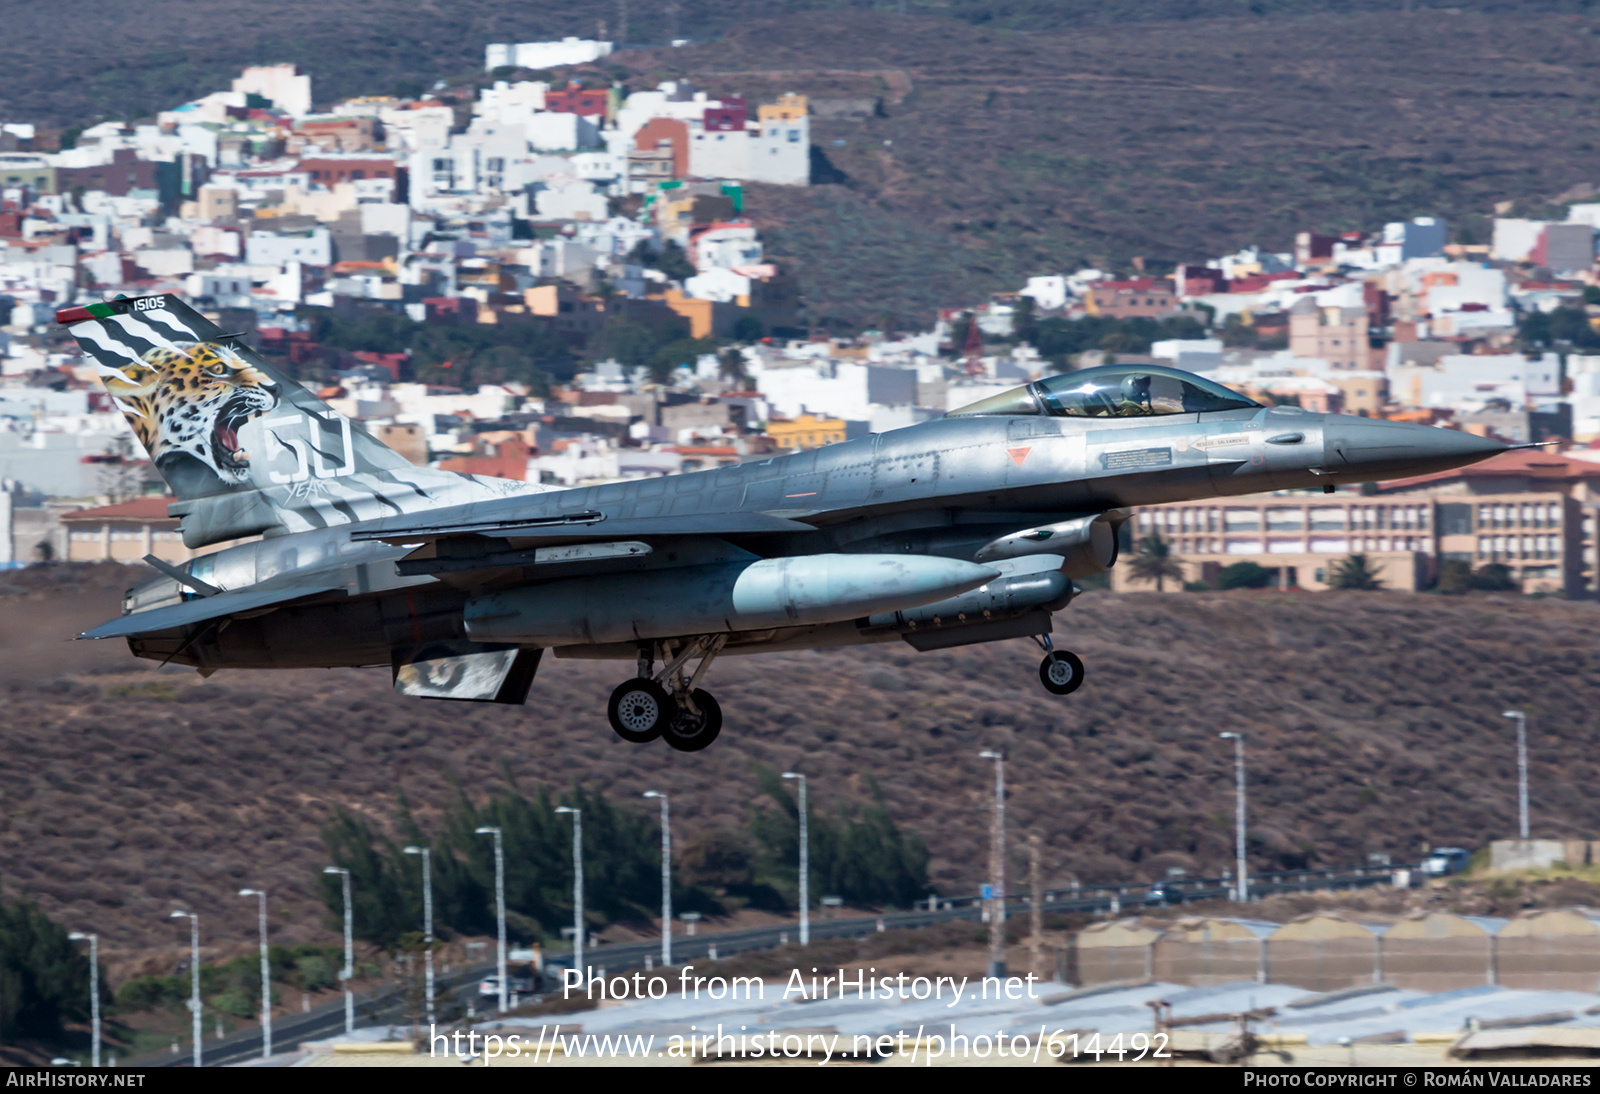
577,99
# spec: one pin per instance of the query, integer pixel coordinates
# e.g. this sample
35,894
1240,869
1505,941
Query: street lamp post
427,922
577,885
1241,889
266,975
499,908
349,950
94,993
666,877
805,862
194,974
997,903
1522,770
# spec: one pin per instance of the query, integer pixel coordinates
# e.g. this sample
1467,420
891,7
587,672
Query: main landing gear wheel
1061,672
692,732
640,710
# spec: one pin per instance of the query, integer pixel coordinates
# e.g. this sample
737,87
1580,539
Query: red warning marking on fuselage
1018,454
807,494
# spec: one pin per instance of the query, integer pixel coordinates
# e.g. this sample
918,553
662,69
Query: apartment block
1533,512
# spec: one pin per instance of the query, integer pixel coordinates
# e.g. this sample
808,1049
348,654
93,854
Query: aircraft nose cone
1369,446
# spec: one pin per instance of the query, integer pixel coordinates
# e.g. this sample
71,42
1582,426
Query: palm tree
1355,572
1153,560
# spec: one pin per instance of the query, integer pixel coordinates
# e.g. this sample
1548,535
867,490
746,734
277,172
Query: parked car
1162,893
518,985
1446,860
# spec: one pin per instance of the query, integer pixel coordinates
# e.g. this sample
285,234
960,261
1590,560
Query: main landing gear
1061,672
667,704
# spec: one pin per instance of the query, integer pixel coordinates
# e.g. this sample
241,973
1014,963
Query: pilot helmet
1136,387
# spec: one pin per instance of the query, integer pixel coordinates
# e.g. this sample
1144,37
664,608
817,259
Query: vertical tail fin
244,448
214,416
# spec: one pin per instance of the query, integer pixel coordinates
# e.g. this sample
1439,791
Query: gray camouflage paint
338,508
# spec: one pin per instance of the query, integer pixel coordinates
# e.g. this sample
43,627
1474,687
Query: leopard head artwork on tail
186,402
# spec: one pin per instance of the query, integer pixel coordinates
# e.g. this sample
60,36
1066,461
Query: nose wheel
1061,672
644,708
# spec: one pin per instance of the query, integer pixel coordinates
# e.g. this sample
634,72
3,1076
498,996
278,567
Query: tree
1455,577
43,974
679,353
670,259
730,363
961,333
748,328
1025,321
621,857
1495,577
1153,560
626,341
1244,575
857,854
1355,572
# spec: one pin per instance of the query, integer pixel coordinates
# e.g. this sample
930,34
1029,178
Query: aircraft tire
1061,672
686,733
640,710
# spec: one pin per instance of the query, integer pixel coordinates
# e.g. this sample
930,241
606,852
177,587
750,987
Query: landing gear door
465,671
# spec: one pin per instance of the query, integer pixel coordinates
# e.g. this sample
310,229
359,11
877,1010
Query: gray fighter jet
970,528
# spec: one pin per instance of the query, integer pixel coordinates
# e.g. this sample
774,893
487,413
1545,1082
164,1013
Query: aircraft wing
568,527
204,610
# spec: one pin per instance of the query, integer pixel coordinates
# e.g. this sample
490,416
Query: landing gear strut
1061,672
667,704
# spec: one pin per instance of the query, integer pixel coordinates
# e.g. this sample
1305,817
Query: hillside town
542,276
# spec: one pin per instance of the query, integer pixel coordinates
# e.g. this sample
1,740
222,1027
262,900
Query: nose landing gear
1061,671
688,718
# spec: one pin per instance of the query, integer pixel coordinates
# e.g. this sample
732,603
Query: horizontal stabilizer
577,526
203,610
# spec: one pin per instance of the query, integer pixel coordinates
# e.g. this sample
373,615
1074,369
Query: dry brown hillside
1373,720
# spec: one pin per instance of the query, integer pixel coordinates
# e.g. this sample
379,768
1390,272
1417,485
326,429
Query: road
386,1004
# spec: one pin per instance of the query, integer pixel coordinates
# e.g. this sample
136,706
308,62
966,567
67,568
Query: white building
1514,239
288,90
568,51
575,200
313,247
557,258
417,126
1468,381
1049,292
726,246
671,99
723,286
840,389
550,131
1190,354
511,103
776,151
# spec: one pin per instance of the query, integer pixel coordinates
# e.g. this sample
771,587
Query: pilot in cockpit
1136,393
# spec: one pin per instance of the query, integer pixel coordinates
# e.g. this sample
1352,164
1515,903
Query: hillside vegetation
1373,722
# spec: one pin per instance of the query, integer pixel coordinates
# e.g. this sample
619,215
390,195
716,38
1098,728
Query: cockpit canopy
1112,391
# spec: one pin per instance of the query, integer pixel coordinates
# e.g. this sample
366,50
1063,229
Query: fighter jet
968,528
